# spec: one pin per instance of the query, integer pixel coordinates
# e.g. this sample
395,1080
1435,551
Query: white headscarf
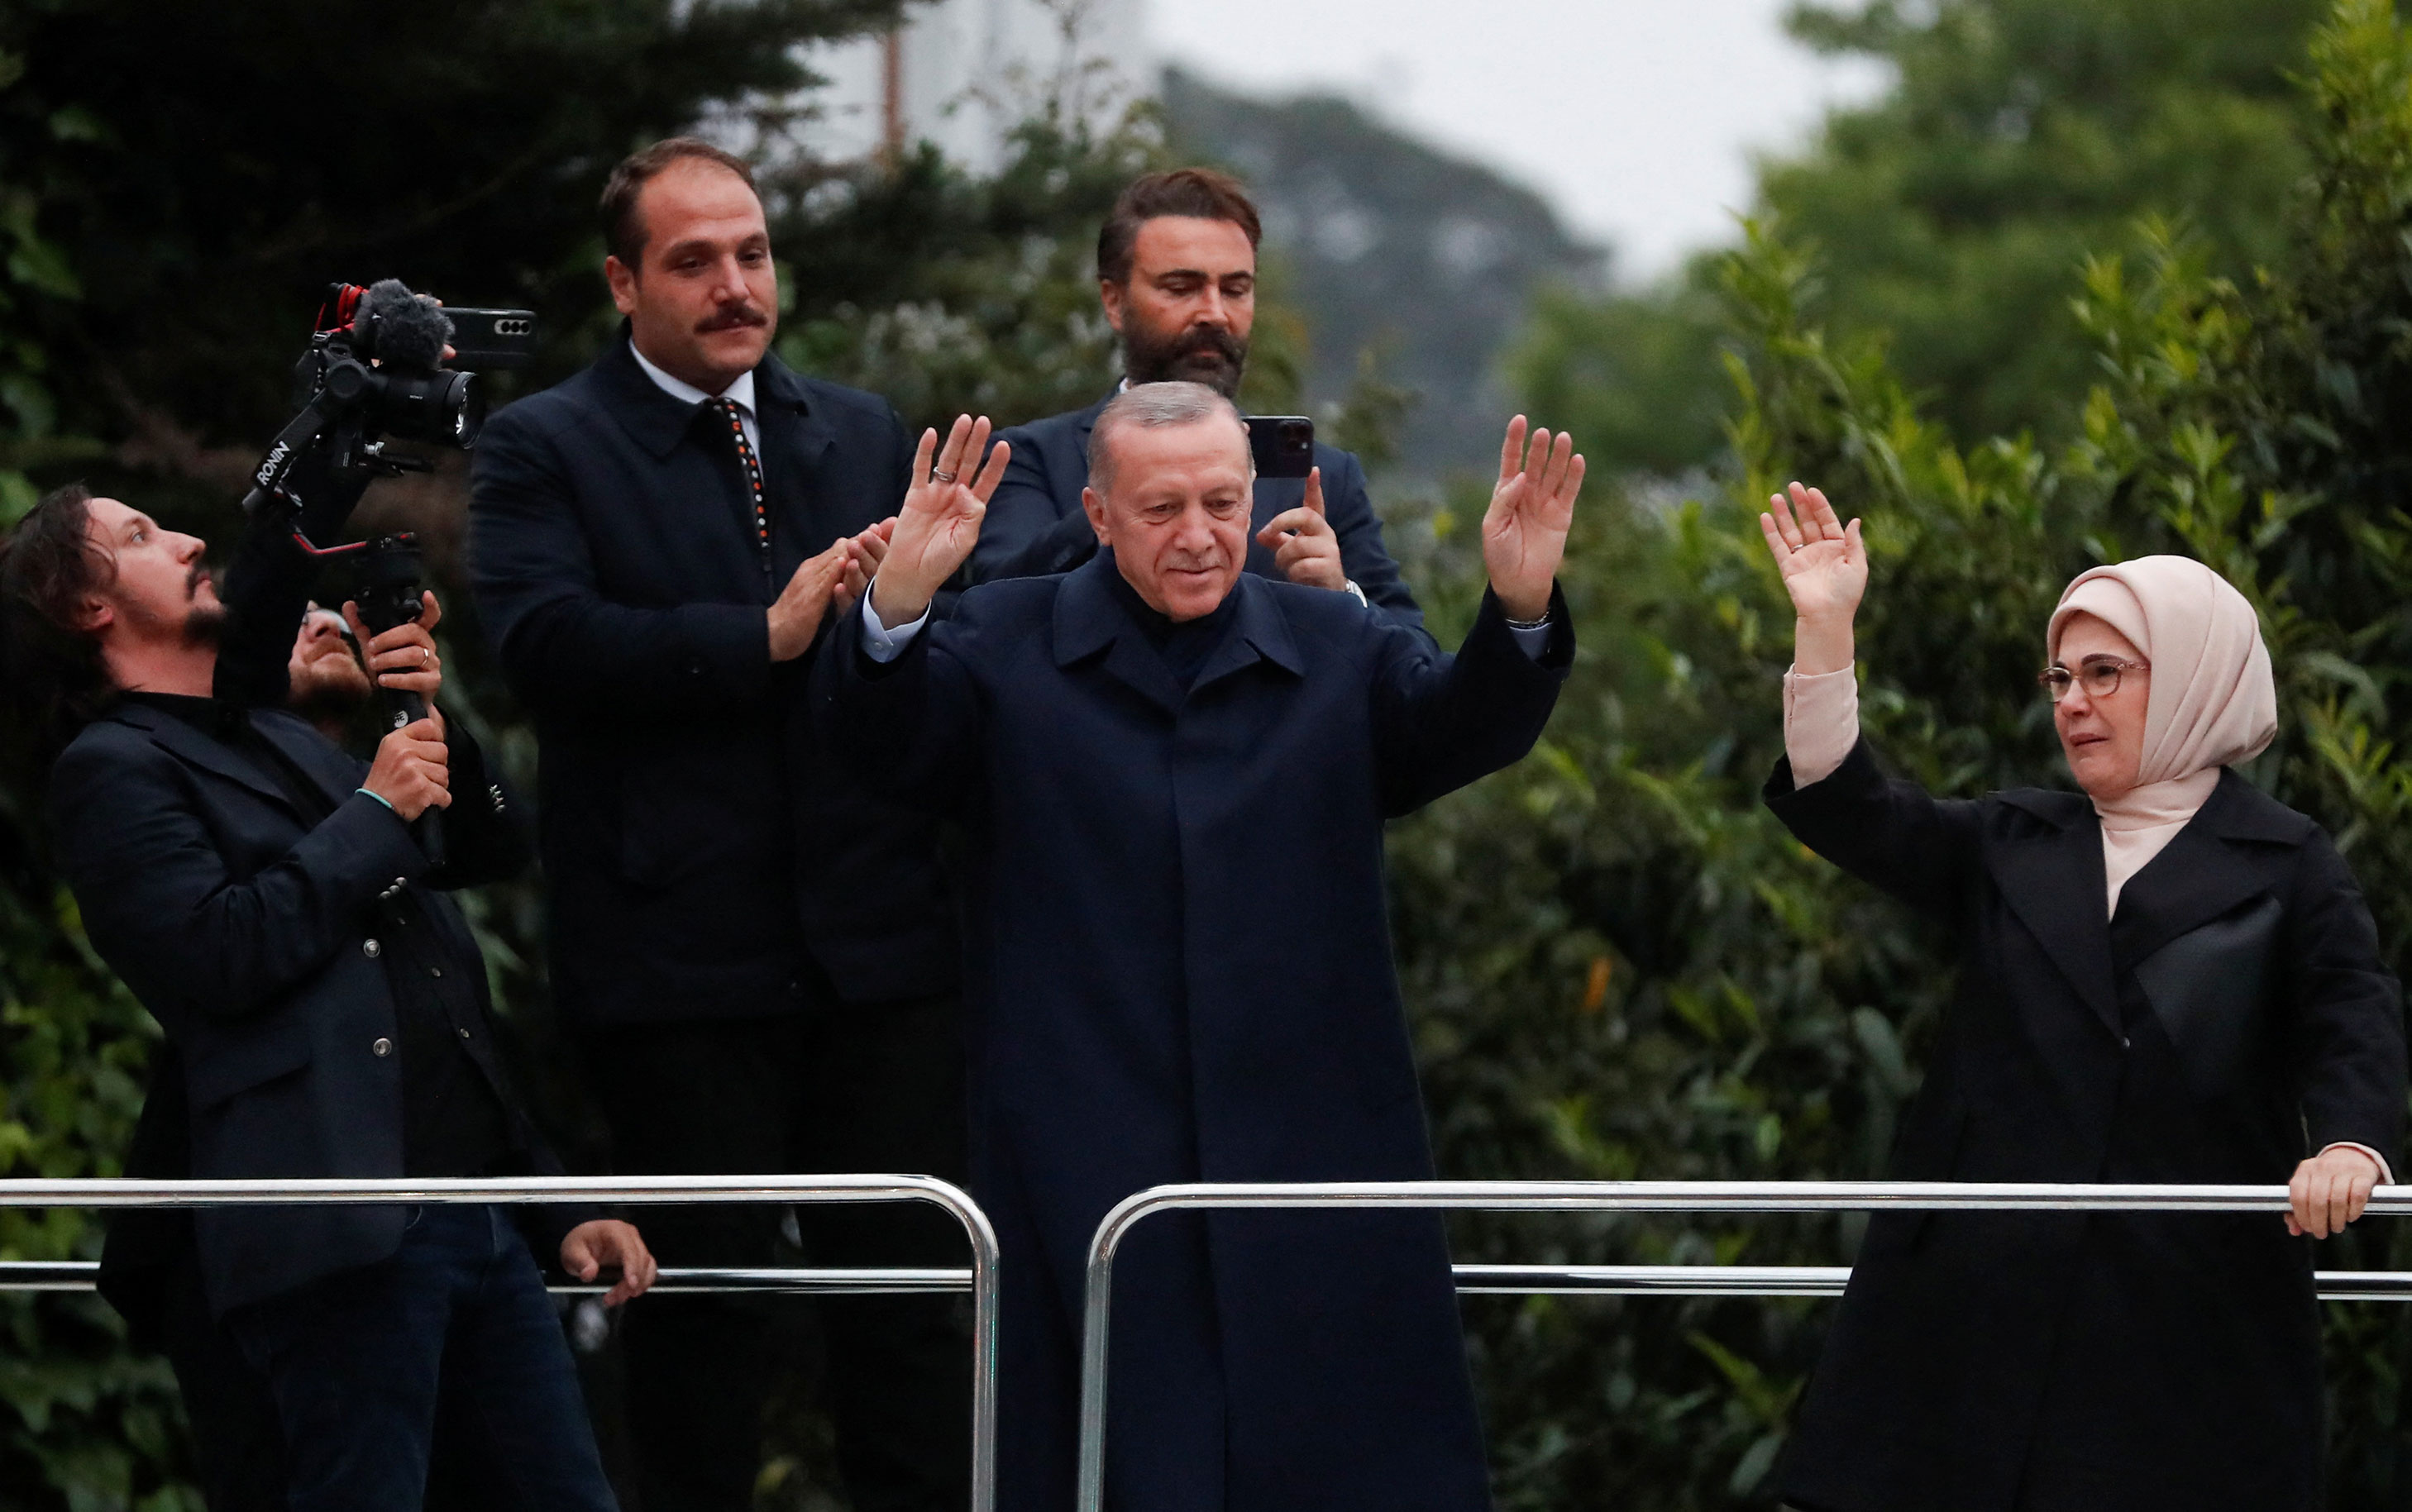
2214,702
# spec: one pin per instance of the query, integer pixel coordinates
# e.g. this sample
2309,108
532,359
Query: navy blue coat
1179,969
698,842
1035,525
252,936
2233,1017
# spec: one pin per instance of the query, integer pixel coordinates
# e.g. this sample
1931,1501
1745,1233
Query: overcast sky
1636,117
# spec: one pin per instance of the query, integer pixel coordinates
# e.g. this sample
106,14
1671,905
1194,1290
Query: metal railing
646,1191
1638,1197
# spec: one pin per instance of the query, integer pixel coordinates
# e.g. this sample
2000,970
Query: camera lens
447,408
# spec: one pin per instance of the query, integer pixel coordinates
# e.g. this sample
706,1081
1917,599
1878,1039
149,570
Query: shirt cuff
1533,641
1821,722
880,643
2386,1176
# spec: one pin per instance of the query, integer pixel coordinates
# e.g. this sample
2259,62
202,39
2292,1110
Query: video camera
374,369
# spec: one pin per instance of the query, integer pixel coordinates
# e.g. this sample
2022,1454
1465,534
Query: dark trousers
841,1088
238,1449
456,1321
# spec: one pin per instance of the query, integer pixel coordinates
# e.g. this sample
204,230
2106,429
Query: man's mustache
1213,338
193,579
733,317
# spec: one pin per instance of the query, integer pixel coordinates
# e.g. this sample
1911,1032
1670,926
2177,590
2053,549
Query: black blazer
696,839
1035,525
2233,1017
252,936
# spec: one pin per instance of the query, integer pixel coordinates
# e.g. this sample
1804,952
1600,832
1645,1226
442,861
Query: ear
1092,503
623,280
94,615
1112,295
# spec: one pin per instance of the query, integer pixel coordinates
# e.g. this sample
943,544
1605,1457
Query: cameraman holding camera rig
265,896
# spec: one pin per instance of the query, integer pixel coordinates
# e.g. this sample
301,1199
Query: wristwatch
1356,592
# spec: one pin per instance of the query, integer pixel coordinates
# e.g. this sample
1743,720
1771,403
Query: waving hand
1524,531
1825,570
940,519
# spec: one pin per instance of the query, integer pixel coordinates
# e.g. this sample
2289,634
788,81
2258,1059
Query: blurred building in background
963,73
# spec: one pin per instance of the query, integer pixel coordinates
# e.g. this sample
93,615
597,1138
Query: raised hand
940,519
1825,570
1524,530
1302,542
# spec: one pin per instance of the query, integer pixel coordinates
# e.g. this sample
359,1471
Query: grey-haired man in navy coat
1172,777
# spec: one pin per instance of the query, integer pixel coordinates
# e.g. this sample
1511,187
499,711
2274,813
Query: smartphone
1284,445
492,338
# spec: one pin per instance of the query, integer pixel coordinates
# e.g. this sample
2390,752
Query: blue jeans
358,1362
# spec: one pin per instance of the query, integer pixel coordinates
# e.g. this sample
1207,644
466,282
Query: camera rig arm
329,429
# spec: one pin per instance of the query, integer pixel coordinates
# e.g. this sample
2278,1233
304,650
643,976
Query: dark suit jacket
1035,525
252,937
2232,1018
697,840
1179,969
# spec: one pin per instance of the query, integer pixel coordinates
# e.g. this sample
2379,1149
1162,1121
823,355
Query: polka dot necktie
736,418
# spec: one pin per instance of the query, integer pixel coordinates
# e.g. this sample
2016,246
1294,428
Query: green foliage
2018,137
1622,966
951,294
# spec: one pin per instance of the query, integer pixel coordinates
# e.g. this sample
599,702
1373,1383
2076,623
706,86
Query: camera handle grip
402,707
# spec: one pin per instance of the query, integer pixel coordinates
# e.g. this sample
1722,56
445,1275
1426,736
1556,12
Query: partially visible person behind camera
327,685
262,893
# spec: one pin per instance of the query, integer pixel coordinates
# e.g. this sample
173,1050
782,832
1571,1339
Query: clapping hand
940,519
1825,569
1524,531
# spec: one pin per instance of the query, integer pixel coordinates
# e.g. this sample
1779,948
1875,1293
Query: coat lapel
796,440
652,418
2053,881
1258,633
193,748
2213,864
1089,620
334,774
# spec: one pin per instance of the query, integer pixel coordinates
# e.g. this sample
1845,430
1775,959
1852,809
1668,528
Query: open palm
1524,530
939,522
1824,563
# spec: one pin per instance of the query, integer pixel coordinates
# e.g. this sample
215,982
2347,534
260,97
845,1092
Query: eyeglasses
2100,675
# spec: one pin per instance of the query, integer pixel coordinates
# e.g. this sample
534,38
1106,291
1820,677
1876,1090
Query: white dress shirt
740,393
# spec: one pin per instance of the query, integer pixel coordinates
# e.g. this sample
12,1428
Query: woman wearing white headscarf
2170,977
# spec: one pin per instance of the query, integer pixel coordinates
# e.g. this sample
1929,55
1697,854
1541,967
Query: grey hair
1151,406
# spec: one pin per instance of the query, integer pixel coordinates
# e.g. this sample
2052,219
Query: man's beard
203,626
1199,353
330,694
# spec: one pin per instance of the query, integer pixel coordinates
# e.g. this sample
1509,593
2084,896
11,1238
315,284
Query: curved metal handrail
125,1192
1609,1196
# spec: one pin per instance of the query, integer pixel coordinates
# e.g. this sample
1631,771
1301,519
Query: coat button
381,1047
434,971
465,1034
371,949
